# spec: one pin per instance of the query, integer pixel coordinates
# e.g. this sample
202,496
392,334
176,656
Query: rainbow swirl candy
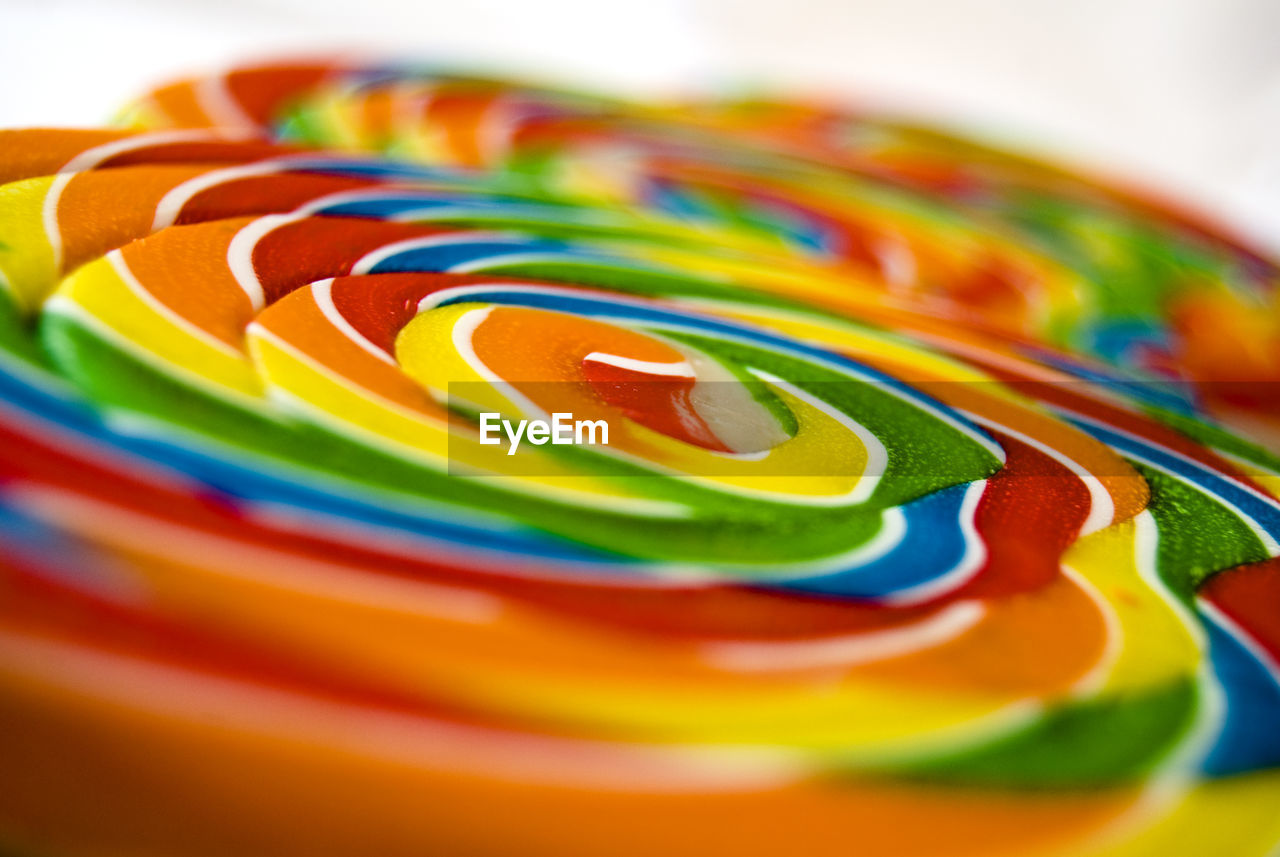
940,515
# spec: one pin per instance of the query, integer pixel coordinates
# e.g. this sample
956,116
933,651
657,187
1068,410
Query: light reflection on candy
920,532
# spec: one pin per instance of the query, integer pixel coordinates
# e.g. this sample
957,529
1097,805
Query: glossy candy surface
939,513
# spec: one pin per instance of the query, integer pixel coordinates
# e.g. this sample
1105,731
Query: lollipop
928,505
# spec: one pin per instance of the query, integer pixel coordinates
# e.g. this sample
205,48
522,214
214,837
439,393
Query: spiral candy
938,515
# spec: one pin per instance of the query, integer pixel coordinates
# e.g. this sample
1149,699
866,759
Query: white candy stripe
322,292
240,254
681,369
90,158
171,205
847,650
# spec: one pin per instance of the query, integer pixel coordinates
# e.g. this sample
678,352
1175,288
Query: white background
1182,94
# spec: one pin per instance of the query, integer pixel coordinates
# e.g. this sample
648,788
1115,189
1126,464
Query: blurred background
1182,95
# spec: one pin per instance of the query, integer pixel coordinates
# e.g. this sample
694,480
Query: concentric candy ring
938,515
